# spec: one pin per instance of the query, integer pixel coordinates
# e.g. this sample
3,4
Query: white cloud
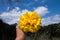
41,10
12,16
51,20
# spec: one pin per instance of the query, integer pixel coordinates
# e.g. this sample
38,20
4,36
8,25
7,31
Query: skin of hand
19,33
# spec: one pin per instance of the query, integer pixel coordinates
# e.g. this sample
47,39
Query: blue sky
48,9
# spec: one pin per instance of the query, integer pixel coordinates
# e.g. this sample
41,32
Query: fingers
19,33
18,30
17,26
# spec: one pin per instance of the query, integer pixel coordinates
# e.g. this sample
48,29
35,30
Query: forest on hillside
49,32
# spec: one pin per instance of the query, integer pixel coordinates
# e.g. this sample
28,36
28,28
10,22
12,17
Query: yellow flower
30,22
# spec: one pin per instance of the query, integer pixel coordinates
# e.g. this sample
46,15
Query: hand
19,33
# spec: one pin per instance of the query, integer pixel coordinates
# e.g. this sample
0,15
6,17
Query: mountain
7,32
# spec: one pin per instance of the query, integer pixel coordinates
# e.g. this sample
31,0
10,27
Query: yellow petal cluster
30,22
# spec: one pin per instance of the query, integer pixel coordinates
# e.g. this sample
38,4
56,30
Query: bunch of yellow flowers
30,22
